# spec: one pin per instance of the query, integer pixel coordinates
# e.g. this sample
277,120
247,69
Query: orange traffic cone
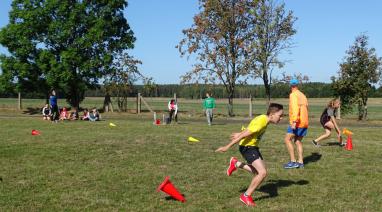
170,189
347,132
35,132
349,143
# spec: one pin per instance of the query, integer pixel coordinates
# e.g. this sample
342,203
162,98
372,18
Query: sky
325,31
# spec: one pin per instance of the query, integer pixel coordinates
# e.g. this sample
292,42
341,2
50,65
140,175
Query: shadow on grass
314,157
219,123
271,187
32,111
182,123
170,198
332,144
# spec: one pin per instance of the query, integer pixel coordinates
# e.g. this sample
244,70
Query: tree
220,37
119,82
360,69
65,44
285,78
150,88
273,29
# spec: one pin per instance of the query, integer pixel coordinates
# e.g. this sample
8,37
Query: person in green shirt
209,106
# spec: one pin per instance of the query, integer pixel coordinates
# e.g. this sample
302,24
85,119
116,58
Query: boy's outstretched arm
235,137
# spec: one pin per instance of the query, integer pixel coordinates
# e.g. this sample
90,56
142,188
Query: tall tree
119,82
360,69
273,30
66,44
220,37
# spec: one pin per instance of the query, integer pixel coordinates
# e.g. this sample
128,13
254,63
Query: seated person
85,115
94,115
64,114
46,112
73,114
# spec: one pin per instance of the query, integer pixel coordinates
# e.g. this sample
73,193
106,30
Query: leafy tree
150,88
65,44
119,82
273,29
220,37
360,69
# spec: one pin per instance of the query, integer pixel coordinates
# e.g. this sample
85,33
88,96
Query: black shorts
250,153
325,118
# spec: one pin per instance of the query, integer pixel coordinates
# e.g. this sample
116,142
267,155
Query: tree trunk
107,103
364,104
230,105
365,113
267,86
360,111
75,95
267,91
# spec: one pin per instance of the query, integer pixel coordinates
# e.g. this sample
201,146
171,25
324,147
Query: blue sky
325,30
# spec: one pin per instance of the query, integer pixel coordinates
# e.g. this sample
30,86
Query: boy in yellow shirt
249,148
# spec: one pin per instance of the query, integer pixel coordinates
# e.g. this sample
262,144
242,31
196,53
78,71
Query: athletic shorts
300,132
250,153
323,124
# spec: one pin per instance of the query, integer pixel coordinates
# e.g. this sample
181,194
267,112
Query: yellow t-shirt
257,126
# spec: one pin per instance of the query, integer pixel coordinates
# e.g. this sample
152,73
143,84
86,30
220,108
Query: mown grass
94,167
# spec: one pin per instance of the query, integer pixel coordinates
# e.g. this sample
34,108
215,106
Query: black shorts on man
250,153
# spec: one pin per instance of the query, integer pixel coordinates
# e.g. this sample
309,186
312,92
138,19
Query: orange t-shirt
298,109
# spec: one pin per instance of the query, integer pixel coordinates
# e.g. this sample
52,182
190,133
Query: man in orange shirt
298,125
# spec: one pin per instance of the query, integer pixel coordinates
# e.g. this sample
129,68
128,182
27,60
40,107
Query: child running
328,122
249,148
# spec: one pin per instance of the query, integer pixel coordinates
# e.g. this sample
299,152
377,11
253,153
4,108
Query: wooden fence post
339,110
139,103
19,107
250,106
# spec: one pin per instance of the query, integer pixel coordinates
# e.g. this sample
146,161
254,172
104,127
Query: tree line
279,90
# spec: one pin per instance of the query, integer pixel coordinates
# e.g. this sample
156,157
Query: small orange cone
167,187
347,132
349,143
35,132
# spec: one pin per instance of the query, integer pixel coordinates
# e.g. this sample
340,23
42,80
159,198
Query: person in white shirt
46,112
173,110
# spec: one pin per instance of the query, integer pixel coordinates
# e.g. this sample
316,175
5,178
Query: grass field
94,167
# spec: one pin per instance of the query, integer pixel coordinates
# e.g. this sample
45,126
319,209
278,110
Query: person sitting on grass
85,115
73,114
249,148
46,112
64,114
94,115
328,122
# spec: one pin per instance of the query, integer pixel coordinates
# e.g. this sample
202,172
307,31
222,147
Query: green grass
91,166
